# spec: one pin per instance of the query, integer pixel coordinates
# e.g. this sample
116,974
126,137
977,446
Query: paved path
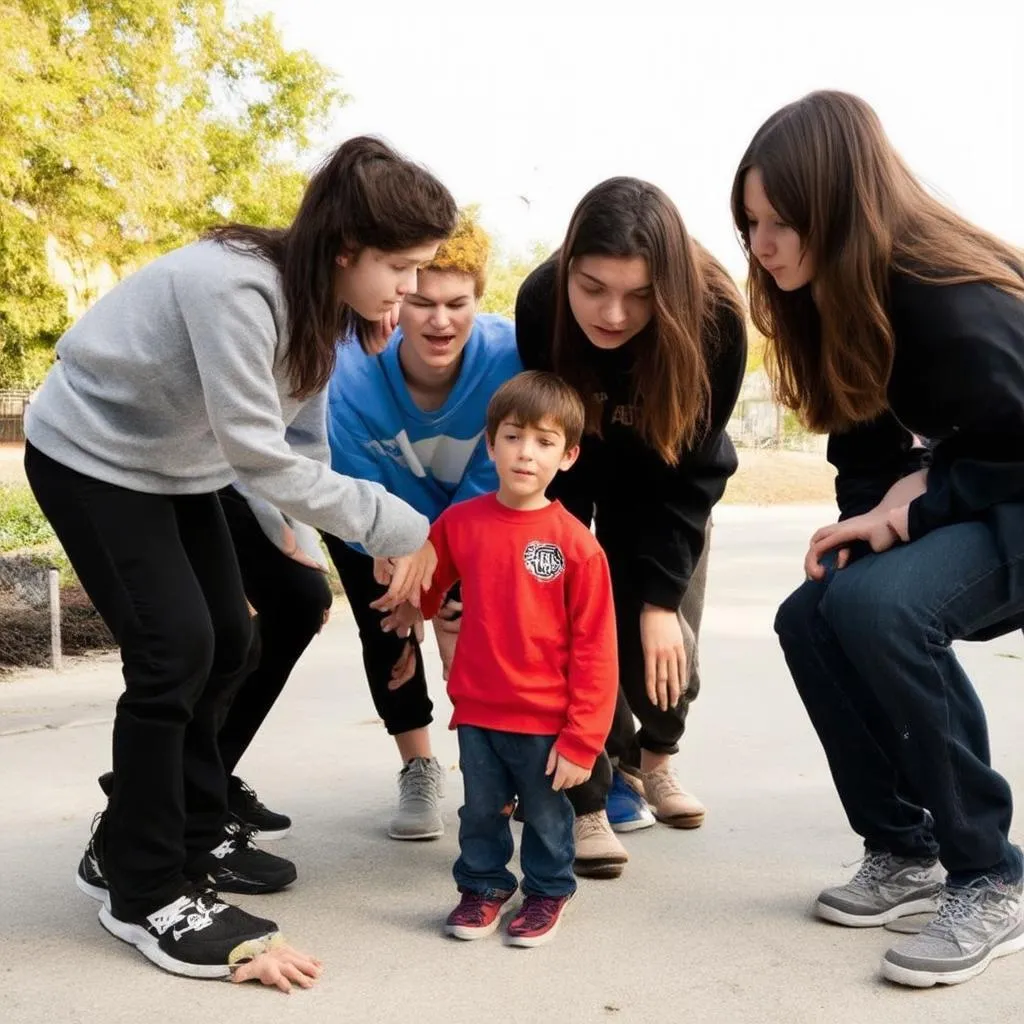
710,926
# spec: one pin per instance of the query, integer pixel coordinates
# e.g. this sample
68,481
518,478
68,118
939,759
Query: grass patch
22,524
781,478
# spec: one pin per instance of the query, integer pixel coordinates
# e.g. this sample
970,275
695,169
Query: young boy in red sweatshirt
534,679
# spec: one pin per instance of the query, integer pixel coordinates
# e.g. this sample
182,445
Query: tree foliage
129,126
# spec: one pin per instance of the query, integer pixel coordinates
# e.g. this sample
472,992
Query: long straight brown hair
625,217
830,172
363,194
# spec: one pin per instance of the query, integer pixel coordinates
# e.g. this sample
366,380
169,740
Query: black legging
290,600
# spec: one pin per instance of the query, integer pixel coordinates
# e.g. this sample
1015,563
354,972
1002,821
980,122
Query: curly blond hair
467,251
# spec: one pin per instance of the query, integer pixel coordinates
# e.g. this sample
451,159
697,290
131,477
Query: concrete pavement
709,926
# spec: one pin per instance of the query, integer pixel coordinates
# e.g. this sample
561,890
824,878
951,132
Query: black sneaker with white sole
246,806
237,865
89,876
197,935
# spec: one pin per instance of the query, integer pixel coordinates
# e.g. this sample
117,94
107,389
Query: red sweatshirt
537,651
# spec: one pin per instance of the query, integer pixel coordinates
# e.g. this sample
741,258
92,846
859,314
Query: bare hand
404,619
292,550
274,963
878,528
381,331
446,642
405,668
664,656
409,576
566,774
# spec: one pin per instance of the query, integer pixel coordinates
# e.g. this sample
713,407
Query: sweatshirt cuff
663,592
572,748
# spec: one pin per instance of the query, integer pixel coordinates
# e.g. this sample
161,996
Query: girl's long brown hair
364,194
625,217
830,172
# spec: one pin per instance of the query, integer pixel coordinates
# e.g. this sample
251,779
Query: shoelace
537,912
664,784
240,834
471,909
959,905
875,866
589,824
248,796
417,783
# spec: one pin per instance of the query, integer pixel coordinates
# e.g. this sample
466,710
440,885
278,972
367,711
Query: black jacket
651,517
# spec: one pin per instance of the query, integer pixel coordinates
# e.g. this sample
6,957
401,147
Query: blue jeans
902,726
497,766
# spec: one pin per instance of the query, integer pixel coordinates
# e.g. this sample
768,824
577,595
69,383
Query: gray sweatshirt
175,382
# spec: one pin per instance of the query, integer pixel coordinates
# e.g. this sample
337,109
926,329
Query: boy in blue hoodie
412,418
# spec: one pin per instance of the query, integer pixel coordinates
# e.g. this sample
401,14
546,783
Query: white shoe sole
269,836
457,931
926,979
526,942
431,834
832,914
137,936
92,891
635,825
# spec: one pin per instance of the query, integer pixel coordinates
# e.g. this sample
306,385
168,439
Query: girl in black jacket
889,316
648,327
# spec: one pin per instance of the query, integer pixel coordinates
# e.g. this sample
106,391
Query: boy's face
527,457
437,318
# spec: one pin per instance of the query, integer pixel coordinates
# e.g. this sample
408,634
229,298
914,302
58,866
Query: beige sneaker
599,854
670,803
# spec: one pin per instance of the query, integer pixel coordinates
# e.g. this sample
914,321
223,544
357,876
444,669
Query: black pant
291,600
409,707
870,650
162,572
660,731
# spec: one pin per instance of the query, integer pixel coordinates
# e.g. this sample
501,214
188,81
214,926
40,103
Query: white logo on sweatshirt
544,560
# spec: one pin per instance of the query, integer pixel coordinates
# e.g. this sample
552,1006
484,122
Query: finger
399,586
382,571
552,761
843,558
665,666
650,675
417,629
813,570
559,780
674,693
293,972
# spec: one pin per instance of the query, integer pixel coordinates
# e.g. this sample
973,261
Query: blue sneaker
627,810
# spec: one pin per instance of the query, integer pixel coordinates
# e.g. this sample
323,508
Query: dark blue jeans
497,766
902,726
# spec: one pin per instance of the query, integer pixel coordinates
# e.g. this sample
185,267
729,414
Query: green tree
127,127
505,275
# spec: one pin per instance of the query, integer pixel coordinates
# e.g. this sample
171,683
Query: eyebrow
598,281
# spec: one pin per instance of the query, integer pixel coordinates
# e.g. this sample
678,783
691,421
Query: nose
440,318
614,312
762,242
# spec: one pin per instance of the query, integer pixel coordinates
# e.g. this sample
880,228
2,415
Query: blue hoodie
430,459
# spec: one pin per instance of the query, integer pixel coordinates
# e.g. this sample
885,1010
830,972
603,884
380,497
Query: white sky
545,99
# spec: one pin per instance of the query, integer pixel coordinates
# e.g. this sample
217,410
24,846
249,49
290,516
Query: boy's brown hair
533,396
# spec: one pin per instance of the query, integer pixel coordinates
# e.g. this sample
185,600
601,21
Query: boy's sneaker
536,920
237,865
627,810
245,805
671,804
599,854
89,876
476,916
975,924
420,788
883,889
197,935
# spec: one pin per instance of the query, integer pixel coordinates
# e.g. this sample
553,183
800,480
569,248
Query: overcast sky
523,112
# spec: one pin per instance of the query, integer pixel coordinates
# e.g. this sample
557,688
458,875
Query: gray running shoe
884,889
420,788
975,925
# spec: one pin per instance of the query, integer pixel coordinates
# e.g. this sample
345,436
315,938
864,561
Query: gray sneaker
420,788
884,889
975,925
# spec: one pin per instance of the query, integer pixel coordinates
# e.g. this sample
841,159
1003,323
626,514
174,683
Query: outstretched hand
272,962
